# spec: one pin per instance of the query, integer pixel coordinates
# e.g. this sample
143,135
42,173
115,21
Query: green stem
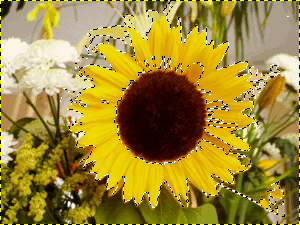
235,200
264,186
54,113
29,102
243,212
21,128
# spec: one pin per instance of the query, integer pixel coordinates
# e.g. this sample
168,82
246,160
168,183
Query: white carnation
82,83
272,151
9,84
289,66
292,137
51,81
6,143
12,55
44,54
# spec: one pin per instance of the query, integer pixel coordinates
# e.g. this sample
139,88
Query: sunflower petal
120,62
119,168
105,77
141,50
155,182
142,177
227,137
97,95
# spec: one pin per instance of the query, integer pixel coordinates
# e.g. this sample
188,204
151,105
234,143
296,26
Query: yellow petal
193,72
267,163
228,138
47,25
219,158
142,173
97,95
142,52
119,168
176,178
130,181
193,44
155,182
95,135
155,44
32,14
108,146
120,62
105,77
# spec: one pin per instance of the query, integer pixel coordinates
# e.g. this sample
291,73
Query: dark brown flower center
161,116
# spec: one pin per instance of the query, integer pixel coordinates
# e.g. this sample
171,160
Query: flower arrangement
153,139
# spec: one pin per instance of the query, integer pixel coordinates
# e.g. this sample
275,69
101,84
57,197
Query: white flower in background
272,151
9,84
51,80
292,137
6,143
82,83
44,54
12,55
289,67
37,128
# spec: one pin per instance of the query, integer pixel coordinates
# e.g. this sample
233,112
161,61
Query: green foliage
114,210
14,130
285,146
169,211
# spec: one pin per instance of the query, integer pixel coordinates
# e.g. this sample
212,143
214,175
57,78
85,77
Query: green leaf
169,210
21,122
114,210
286,147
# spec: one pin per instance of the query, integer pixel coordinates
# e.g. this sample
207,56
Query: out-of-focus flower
12,55
82,83
44,54
9,84
6,143
292,137
227,8
288,66
272,89
51,17
272,151
273,189
51,81
207,3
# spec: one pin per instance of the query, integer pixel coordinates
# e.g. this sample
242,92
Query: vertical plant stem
235,200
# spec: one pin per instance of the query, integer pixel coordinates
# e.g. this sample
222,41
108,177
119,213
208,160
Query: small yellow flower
51,17
273,189
271,91
227,8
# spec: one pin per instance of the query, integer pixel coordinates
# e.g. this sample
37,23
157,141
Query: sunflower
163,116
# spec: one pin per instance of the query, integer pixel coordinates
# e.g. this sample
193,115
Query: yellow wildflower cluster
12,212
37,205
72,182
47,170
27,157
92,191
80,213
